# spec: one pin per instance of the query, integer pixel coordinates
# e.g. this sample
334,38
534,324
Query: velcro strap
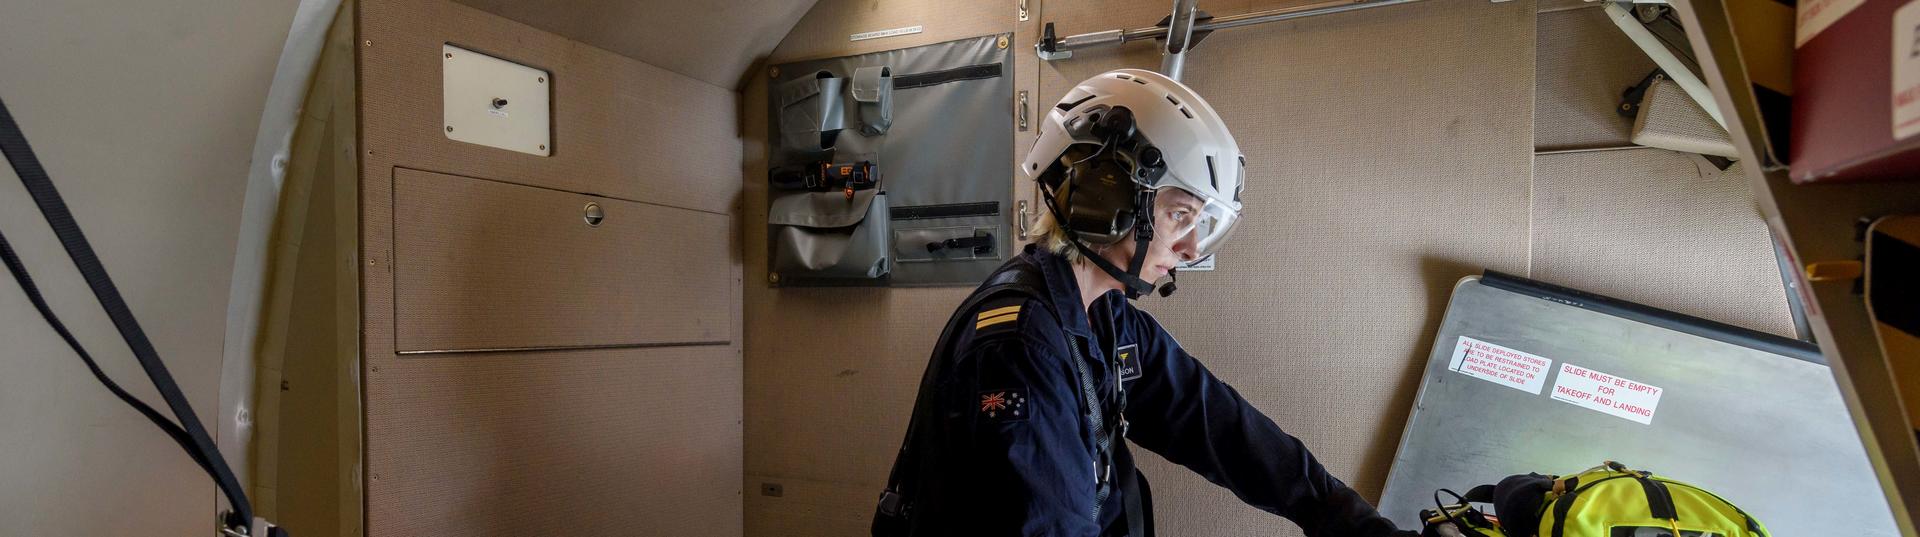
1659,499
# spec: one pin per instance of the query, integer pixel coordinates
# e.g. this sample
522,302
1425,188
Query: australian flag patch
1003,405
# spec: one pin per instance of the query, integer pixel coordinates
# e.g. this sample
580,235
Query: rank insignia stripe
996,312
997,316
996,320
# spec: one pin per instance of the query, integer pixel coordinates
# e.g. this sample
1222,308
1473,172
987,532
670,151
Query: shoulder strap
1015,278
189,433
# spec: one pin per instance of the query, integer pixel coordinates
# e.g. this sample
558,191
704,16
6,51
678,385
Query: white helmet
1199,156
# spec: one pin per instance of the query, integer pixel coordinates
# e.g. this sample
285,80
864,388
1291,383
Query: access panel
483,265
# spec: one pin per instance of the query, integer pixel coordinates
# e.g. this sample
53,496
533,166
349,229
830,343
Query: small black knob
1150,157
499,102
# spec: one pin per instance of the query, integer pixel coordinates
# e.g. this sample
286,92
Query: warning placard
1906,70
1606,393
1499,365
1813,16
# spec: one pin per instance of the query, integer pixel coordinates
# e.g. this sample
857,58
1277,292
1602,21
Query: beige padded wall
623,441
1653,226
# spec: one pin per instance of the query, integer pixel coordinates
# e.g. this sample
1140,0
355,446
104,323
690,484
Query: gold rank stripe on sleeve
996,316
996,312
996,320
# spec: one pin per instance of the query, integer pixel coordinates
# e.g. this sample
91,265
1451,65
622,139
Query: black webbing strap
1560,507
190,434
1659,499
1564,503
1132,495
20,275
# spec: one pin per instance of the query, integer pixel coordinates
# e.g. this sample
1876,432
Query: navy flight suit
1017,454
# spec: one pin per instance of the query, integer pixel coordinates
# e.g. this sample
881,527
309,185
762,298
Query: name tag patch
1129,359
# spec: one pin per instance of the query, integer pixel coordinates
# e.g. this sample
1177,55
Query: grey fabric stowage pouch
937,123
873,92
933,243
826,235
812,113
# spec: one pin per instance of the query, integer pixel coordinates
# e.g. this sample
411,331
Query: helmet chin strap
1135,287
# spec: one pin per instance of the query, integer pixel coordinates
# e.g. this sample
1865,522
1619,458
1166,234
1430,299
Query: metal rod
1538,152
1296,12
1173,53
1676,71
1064,47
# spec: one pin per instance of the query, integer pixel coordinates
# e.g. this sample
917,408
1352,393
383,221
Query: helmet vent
1068,107
1176,102
1183,111
1212,176
1140,81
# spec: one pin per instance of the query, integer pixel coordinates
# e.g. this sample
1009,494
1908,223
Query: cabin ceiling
714,41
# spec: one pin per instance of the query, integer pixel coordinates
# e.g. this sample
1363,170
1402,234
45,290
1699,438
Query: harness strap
189,433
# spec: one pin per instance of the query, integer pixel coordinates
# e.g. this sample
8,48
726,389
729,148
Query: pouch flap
799,89
820,209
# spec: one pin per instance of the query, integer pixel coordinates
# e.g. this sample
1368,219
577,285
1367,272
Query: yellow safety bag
1611,500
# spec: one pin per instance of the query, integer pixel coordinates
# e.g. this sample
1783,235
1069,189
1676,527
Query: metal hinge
1020,220
1020,110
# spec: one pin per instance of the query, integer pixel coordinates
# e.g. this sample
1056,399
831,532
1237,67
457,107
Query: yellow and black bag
1611,500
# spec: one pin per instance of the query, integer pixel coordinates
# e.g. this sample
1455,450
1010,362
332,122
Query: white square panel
495,103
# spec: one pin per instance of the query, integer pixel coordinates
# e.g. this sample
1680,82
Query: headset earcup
1101,208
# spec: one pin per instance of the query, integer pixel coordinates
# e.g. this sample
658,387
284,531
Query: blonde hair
1050,236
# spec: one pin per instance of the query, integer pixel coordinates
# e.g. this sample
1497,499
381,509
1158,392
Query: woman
1045,368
